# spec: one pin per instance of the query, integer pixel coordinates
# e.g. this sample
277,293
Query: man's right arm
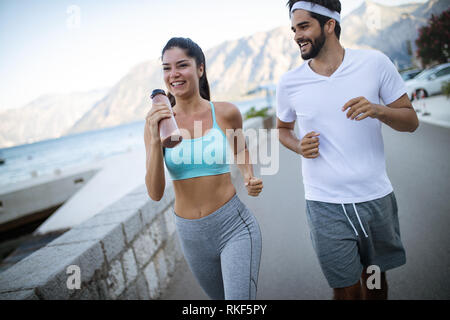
308,147
287,135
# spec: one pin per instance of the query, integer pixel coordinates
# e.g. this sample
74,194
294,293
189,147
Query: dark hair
192,50
333,5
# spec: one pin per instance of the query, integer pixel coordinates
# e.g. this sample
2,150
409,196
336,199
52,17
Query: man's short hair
334,5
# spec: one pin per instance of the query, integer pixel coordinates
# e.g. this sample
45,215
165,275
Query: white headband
316,8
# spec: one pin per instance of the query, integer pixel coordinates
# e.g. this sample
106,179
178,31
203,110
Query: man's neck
329,59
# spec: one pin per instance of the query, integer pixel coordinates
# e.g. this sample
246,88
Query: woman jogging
220,237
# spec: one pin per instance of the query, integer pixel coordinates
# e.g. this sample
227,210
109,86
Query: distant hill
389,28
234,68
126,102
46,117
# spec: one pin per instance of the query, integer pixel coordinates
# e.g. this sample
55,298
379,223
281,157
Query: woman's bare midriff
198,197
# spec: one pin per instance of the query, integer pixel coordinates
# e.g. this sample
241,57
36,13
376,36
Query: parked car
429,81
410,74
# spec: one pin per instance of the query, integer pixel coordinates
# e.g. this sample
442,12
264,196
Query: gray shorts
347,240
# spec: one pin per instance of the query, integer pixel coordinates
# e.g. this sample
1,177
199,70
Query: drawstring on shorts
357,215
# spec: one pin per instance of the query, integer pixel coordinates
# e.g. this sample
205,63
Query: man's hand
360,108
254,186
309,145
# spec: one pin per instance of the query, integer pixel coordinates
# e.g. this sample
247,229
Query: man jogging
336,98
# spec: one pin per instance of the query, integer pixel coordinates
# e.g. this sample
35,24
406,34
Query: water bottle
168,129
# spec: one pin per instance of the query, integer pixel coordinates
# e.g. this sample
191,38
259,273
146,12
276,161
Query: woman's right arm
154,178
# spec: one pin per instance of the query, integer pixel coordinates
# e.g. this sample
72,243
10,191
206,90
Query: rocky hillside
47,117
234,68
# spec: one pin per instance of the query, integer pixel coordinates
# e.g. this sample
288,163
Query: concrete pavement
434,110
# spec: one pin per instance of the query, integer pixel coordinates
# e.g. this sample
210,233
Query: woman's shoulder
227,110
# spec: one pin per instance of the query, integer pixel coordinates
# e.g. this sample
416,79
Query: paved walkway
438,109
419,170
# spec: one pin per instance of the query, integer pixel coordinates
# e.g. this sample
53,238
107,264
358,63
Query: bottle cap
156,92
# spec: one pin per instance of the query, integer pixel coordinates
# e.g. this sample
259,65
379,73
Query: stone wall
127,251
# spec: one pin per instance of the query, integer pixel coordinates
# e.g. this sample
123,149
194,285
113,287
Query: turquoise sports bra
205,156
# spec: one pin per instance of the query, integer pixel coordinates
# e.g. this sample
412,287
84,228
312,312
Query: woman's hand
254,186
154,116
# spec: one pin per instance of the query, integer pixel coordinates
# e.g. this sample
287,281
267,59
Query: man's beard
316,46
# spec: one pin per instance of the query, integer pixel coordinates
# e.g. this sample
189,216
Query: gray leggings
223,251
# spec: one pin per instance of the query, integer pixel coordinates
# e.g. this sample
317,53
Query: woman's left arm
236,138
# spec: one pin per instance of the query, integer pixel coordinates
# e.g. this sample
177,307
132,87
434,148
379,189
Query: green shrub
252,113
446,88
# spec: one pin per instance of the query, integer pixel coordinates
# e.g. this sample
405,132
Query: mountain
46,117
388,28
126,102
235,67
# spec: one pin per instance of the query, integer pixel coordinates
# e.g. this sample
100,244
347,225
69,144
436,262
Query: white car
429,81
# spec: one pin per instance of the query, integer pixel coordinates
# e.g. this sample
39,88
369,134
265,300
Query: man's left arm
399,115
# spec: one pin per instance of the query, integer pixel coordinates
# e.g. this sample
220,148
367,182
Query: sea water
46,157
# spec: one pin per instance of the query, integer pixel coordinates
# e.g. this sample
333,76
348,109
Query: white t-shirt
351,167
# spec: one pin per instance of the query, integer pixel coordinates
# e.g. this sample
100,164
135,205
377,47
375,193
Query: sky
64,46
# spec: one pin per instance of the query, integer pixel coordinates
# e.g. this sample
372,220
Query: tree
433,42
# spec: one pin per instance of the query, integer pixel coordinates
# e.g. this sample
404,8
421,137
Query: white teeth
175,84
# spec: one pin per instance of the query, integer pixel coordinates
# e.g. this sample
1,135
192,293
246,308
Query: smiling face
308,34
181,73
